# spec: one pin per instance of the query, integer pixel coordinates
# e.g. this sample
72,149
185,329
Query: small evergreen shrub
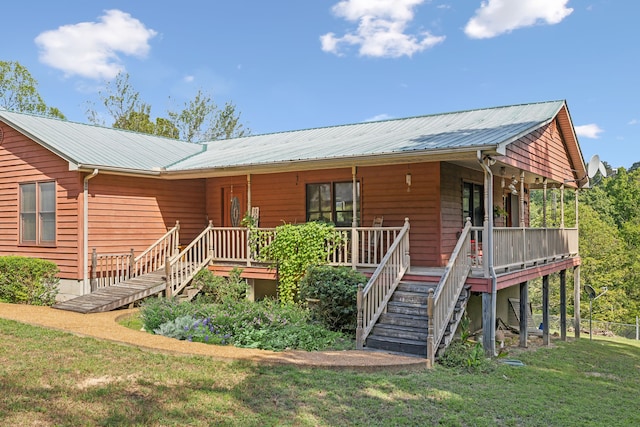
331,293
26,280
215,289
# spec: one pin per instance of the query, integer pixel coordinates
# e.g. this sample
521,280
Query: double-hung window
38,213
332,202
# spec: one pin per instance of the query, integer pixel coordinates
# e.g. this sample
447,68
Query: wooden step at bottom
191,292
397,345
401,332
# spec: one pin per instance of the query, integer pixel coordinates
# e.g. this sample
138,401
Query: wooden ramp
115,296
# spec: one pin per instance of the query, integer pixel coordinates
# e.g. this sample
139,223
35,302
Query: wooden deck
115,296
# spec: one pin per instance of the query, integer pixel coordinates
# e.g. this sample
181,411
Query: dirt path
105,326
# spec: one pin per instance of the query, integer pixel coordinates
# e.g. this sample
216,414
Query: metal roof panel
84,144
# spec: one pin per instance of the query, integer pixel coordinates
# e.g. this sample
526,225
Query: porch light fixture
537,180
407,180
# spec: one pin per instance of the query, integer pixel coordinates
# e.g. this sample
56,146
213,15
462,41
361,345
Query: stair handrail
373,298
180,269
442,301
153,258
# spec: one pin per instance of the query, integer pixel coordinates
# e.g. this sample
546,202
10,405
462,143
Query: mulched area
105,326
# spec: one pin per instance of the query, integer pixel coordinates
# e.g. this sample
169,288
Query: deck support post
563,305
488,326
576,301
167,278
545,310
359,325
431,350
524,314
132,261
94,270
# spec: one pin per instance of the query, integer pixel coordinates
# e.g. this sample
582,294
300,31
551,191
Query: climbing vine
295,248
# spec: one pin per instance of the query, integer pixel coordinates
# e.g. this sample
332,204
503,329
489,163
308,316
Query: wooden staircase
404,327
171,273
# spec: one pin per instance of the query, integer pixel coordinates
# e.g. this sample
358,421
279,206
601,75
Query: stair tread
407,304
403,316
402,327
396,340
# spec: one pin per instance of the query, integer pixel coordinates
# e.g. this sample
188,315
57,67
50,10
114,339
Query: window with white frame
38,213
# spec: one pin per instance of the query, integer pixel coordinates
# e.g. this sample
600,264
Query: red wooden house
97,200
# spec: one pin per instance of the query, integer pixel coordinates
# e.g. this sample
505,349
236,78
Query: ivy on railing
294,248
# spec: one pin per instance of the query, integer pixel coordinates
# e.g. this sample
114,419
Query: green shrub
332,294
216,289
192,329
156,311
26,280
466,355
265,325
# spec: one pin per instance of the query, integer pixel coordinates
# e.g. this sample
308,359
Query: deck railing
373,298
362,246
441,303
181,268
153,258
111,269
516,248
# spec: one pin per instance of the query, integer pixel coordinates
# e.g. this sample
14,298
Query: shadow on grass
53,378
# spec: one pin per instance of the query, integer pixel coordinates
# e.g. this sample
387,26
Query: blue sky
293,64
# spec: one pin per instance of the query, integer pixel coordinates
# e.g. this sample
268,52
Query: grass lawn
53,378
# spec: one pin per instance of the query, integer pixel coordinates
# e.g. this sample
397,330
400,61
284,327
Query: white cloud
503,16
91,49
379,117
592,131
189,79
381,32
633,122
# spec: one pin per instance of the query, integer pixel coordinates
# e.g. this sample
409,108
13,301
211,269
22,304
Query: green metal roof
465,131
490,128
86,145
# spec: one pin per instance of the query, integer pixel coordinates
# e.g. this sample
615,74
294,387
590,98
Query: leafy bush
156,311
216,289
333,291
191,329
26,280
467,356
295,248
264,325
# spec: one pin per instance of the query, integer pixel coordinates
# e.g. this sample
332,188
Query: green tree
19,91
199,120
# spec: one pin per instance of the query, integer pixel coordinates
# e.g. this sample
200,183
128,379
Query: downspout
488,251
85,233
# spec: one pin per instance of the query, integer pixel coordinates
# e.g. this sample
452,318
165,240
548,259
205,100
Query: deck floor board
112,297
